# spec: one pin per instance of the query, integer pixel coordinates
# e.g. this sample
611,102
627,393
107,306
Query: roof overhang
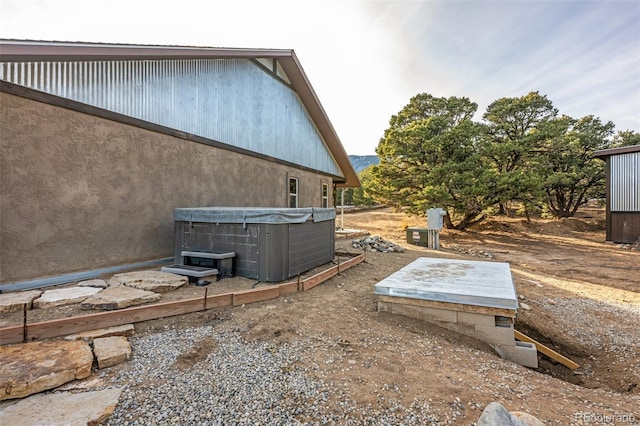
32,51
603,153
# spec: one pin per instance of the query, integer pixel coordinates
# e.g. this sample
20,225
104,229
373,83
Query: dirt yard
582,297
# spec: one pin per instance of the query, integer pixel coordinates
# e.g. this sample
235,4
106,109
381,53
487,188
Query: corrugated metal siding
625,182
227,100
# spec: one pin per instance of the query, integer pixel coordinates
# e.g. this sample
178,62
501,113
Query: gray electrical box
434,219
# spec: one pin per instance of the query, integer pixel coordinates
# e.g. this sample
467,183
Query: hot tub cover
246,215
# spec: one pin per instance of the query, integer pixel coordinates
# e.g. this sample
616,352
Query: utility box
434,219
418,236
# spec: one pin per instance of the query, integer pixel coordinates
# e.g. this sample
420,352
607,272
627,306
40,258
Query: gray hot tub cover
246,215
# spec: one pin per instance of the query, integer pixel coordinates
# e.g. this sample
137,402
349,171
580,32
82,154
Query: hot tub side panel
311,244
266,252
227,237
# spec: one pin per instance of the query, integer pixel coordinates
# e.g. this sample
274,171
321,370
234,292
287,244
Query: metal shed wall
623,197
625,182
234,101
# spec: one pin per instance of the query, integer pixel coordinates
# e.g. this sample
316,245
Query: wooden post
24,322
205,298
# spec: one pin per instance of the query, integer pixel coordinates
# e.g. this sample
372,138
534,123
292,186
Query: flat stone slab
156,281
33,367
466,282
119,297
110,351
63,408
64,296
88,336
93,283
13,302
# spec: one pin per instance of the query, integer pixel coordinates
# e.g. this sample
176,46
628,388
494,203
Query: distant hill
361,162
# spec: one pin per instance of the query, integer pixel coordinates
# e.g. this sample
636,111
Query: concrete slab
467,282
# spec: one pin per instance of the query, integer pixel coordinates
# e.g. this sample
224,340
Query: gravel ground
238,383
583,319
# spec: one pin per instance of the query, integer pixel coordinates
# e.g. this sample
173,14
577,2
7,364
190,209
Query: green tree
513,140
571,174
626,138
360,195
429,157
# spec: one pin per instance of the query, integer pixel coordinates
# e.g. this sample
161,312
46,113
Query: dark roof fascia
616,151
22,51
25,92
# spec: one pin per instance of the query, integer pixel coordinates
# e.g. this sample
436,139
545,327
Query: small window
293,193
325,195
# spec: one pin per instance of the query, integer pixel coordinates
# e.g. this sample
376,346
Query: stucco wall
80,192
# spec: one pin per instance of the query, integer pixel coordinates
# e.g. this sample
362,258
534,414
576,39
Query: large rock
119,297
29,368
495,414
110,351
13,302
64,296
63,408
88,336
156,281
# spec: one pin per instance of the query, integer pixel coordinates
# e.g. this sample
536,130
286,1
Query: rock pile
376,244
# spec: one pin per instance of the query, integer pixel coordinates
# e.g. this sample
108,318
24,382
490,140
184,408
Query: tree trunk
447,222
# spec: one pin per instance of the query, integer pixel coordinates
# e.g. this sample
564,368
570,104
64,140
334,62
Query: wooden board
255,295
288,288
547,350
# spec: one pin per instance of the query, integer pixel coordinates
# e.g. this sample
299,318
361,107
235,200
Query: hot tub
271,244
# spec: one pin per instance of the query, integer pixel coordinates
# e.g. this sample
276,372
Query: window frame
294,196
325,195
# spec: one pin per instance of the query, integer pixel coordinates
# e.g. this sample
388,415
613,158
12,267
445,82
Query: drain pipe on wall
78,276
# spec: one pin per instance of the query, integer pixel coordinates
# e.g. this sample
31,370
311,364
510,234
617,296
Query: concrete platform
469,297
453,281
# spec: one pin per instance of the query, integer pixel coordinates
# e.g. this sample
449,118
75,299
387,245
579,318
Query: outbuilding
101,142
623,193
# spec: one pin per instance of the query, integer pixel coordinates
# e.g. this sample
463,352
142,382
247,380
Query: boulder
110,351
495,414
89,336
63,408
119,297
156,281
93,283
527,419
33,367
64,296
13,302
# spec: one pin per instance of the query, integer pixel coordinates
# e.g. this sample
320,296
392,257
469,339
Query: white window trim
292,194
325,198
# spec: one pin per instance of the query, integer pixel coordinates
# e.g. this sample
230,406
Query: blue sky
366,59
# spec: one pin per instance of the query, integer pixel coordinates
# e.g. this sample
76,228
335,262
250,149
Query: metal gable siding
228,100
